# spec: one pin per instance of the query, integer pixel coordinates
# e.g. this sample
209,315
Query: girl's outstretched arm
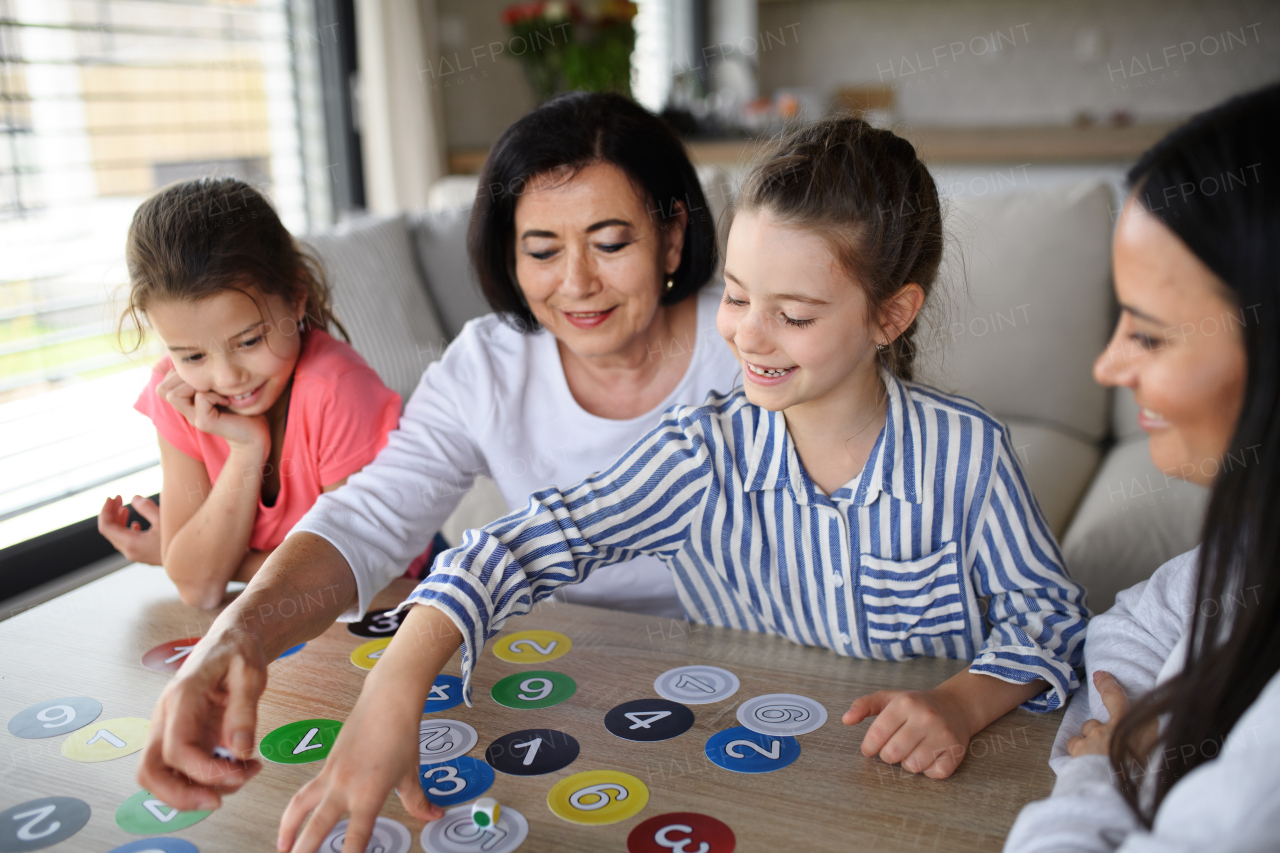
377,748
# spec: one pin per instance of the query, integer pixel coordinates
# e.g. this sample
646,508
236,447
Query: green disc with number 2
300,742
537,689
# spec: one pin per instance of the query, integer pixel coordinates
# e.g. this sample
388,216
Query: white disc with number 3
456,832
783,714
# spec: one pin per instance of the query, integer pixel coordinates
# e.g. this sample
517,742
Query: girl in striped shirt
829,499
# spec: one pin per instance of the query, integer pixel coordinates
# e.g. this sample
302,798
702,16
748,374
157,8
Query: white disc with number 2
444,740
456,832
785,714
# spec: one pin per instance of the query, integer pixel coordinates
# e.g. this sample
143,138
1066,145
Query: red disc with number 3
681,831
168,657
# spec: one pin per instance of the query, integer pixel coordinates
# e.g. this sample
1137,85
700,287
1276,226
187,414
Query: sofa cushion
1058,467
1132,521
440,239
1025,306
378,296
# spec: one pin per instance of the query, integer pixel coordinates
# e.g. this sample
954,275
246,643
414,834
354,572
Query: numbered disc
441,740
446,692
143,814
782,714
456,832
292,650
168,657
449,783
743,751
696,685
535,689
687,831
41,823
531,646
598,797
107,740
367,654
300,742
55,717
389,836
157,845
532,752
649,720
377,623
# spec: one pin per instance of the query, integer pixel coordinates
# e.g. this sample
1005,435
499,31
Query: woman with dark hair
1194,764
592,241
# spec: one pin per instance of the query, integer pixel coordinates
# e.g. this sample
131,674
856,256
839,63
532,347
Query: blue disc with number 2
455,781
743,751
445,693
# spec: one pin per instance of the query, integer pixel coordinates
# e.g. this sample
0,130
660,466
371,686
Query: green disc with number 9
300,742
537,689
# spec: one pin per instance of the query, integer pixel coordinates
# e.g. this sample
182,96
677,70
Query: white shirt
1229,803
497,403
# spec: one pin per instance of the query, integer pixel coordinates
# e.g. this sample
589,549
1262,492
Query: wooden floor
90,642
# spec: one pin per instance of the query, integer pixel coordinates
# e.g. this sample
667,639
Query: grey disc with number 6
696,685
783,714
55,717
389,836
41,823
444,740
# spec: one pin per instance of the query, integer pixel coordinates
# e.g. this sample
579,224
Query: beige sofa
1023,309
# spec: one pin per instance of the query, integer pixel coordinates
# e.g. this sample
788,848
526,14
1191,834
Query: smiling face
591,260
798,324
231,345
1178,345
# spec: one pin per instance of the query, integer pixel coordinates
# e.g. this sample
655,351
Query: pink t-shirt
339,416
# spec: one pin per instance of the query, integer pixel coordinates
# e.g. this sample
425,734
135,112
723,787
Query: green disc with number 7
537,689
300,742
143,814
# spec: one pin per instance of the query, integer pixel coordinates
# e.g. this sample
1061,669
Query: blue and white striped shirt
937,548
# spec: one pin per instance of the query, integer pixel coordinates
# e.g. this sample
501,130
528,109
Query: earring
671,283
880,348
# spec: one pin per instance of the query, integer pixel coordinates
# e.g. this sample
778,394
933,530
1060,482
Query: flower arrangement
565,49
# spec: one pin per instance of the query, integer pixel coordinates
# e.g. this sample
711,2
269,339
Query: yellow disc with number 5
108,739
367,654
597,797
532,646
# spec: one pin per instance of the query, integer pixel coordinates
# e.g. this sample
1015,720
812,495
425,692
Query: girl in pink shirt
258,409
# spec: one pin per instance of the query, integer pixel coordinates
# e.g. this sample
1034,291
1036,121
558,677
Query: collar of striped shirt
894,466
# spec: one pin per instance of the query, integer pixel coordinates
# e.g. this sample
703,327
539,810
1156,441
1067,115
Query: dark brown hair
194,239
867,194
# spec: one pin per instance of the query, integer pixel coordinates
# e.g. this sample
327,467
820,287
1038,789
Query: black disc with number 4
649,720
377,623
532,752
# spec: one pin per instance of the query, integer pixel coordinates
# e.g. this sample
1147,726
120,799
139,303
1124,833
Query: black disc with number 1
649,720
532,752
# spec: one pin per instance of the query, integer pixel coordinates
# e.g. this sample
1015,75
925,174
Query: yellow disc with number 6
532,646
367,654
597,797
107,739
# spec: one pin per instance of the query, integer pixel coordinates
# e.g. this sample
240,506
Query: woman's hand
1095,736
207,412
140,546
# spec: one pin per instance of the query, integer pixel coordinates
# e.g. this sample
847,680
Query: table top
90,642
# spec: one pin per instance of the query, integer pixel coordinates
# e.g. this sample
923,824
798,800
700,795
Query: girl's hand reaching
925,731
140,546
207,412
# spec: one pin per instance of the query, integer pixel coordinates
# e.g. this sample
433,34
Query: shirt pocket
912,598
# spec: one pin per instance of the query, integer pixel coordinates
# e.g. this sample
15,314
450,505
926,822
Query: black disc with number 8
377,623
649,720
532,752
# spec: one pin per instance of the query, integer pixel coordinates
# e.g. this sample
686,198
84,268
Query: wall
1007,62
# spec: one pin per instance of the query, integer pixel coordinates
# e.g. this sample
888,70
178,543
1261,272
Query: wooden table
90,642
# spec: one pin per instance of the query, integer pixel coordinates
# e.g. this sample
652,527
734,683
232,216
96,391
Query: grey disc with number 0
443,740
41,823
784,714
696,685
389,836
55,717
456,832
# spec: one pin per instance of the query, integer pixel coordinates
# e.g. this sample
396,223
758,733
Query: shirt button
989,657
837,580
844,638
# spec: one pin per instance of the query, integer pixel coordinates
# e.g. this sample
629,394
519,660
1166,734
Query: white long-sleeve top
497,403
1230,803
